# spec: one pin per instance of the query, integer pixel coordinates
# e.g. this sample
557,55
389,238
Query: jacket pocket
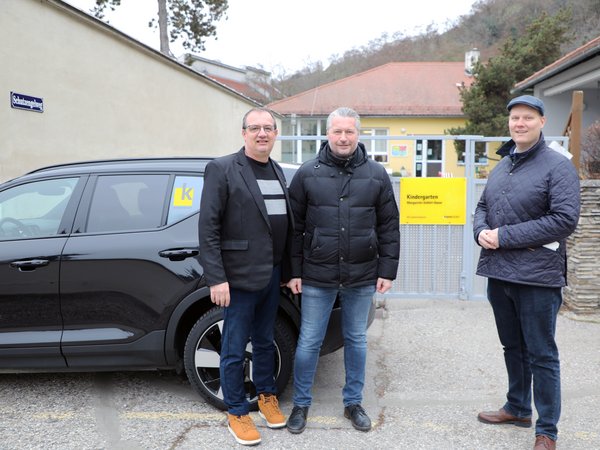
238,244
322,247
364,247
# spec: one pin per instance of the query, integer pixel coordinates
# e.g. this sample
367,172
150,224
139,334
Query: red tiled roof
394,89
237,85
587,50
242,88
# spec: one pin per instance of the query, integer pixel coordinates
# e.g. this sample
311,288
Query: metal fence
439,261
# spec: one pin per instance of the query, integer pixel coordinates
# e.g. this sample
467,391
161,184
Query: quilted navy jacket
533,200
347,222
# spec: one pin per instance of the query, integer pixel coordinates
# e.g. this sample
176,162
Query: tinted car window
34,209
127,202
185,199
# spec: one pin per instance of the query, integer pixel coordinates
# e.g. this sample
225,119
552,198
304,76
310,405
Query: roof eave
541,75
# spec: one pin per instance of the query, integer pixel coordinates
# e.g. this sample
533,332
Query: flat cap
527,100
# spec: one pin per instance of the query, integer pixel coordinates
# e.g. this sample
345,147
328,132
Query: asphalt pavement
432,366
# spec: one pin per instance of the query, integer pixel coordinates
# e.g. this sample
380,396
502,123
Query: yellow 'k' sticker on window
184,196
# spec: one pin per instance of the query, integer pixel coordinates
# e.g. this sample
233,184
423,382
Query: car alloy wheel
202,357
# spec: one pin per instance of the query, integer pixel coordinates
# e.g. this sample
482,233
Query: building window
301,150
287,147
376,148
429,158
481,153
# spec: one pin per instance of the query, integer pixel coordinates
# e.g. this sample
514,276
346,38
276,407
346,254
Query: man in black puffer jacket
346,242
530,205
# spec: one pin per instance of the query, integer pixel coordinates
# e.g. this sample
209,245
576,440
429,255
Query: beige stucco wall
104,95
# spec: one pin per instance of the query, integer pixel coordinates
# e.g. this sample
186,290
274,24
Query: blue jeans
316,307
249,316
526,321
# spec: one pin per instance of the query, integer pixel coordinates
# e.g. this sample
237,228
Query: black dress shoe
296,423
358,417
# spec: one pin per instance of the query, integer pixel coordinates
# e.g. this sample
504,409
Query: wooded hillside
488,25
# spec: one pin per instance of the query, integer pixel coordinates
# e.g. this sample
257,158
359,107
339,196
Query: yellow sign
433,201
183,196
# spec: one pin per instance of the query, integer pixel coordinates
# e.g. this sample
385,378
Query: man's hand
295,284
489,239
219,294
383,285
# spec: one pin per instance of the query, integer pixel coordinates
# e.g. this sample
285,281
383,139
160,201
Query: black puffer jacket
533,201
347,222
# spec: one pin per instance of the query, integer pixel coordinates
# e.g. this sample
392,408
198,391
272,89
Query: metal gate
439,261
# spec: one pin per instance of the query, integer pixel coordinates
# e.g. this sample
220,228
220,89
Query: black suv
99,271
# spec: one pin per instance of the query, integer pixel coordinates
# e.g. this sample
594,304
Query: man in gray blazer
244,227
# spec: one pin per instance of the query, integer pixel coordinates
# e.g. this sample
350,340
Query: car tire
202,356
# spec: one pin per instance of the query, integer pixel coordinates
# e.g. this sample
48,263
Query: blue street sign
26,102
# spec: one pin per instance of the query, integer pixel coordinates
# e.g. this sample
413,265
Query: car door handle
30,264
178,254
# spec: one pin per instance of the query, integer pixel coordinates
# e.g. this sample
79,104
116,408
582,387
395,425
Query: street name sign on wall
26,102
433,201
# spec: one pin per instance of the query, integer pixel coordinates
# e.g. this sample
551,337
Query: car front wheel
202,355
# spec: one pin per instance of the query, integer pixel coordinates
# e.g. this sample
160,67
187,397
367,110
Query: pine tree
484,102
192,20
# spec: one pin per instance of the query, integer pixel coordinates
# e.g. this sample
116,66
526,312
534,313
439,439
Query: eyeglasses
256,128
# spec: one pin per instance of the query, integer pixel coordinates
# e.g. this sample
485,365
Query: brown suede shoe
543,442
502,417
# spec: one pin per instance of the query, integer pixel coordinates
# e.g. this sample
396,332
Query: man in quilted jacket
529,207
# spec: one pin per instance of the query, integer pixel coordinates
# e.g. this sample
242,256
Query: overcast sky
285,36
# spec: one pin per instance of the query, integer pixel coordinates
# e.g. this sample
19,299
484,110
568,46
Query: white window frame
371,144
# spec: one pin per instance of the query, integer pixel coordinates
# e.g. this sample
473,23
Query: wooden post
574,128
